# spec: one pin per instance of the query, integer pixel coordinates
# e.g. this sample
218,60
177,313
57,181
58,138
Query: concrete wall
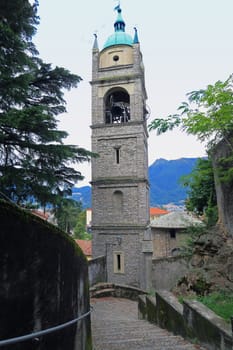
44,282
97,270
167,271
193,320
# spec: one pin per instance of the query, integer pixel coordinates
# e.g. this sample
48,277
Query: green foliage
80,228
207,115
211,214
219,302
84,235
151,292
201,191
34,160
225,169
200,286
192,234
66,213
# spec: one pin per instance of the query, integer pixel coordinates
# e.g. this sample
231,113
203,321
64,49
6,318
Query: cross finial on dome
119,25
120,37
118,6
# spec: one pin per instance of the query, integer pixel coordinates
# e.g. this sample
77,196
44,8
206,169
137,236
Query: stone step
141,345
107,292
115,326
134,341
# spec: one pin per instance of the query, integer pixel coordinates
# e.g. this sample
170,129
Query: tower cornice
116,78
112,229
129,124
119,181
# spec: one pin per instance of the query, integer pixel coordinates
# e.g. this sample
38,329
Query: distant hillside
82,194
164,176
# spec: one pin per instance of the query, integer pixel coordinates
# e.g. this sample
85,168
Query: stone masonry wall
130,247
120,199
133,151
167,271
44,283
164,245
192,320
97,270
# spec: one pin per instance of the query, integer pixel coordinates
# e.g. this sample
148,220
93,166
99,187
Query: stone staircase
115,327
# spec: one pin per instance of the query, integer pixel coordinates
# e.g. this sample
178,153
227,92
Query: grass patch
219,302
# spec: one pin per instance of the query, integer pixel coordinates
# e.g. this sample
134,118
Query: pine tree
34,161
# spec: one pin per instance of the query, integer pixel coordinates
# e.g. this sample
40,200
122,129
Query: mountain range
164,178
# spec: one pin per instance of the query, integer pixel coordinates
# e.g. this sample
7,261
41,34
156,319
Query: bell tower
120,188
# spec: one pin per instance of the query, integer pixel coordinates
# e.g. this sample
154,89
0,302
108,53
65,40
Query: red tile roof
86,246
39,213
158,211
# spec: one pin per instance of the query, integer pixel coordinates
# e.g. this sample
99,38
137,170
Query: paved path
115,326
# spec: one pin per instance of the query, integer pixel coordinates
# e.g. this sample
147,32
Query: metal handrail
38,334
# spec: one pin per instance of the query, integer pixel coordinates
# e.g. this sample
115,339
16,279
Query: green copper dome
119,37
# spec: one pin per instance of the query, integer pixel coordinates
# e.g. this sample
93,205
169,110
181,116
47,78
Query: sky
186,45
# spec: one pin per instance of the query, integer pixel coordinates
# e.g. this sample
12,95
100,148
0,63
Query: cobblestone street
115,326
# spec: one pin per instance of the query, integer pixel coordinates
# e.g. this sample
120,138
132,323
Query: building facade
120,188
170,235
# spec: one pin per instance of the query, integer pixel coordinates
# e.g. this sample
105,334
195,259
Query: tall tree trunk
224,190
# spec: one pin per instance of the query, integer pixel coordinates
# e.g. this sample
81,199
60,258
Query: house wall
164,245
44,282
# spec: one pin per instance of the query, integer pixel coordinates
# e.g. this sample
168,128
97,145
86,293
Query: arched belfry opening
117,107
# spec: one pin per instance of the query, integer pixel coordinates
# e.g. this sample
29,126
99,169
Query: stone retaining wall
193,320
101,290
97,270
44,283
167,271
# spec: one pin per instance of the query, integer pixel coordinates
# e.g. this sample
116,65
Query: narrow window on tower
117,150
118,262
